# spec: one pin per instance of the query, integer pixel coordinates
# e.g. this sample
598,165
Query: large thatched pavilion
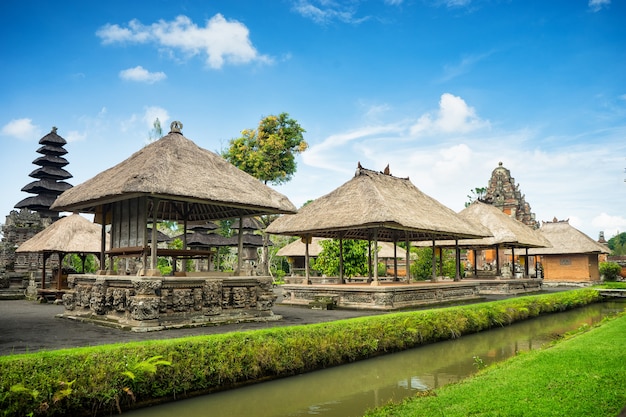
170,179
376,206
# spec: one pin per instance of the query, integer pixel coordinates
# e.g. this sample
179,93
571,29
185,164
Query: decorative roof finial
176,127
54,130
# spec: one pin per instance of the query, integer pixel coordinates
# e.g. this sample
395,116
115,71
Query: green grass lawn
581,376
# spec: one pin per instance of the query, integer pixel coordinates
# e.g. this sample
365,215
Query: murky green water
349,390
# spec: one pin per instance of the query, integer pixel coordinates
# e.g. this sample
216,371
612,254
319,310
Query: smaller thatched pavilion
506,233
376,206
572,257
71,234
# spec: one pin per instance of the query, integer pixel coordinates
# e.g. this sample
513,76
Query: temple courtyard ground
28,326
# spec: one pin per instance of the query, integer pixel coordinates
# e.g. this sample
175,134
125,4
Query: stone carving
212,293
147,286
69,301
156,302
144,308
239,297
117,299
181,299
97,301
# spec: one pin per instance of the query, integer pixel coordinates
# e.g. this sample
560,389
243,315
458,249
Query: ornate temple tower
50,175
34,213
503,193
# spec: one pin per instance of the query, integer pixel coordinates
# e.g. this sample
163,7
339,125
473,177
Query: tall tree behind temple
268,153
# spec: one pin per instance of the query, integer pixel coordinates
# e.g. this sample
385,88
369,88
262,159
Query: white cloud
327,11
457,151
611,225
464,66
223,41
453,116
140,74
75,136
597,5
23,129
151,113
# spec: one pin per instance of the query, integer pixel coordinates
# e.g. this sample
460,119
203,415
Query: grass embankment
105,379
580,376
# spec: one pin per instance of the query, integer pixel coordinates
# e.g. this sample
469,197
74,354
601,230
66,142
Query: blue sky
441,90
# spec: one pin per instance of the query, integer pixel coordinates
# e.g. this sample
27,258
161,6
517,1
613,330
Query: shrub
610,270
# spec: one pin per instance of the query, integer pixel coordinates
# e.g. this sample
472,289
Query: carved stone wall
405,296
141,303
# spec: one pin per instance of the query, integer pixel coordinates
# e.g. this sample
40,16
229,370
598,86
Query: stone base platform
397,296
157,303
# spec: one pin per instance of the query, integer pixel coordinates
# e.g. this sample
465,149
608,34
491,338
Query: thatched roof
376,201
249,224
297,248
506,231
71,234
566,239
185,177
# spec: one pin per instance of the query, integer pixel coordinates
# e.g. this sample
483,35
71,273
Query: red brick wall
572,268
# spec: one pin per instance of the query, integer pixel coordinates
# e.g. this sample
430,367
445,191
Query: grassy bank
582,376
105,379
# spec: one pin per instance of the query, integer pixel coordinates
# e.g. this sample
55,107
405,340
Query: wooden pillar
475,264
512,262
103,238
307,274
341,277
240,247
369,260
526,269
153,246
375,281
407,262
395,259
43,270
457,260
434,263
497,260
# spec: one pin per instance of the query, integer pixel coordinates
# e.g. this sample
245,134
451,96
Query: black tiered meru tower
50,176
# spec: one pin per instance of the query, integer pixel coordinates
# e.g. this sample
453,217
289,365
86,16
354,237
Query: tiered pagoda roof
49,176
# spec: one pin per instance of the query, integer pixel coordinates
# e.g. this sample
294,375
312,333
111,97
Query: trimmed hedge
110,378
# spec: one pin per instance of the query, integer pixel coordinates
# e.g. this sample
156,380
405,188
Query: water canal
349,390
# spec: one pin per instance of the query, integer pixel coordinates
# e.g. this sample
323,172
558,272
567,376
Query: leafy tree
422,268
268,152
610,270
355,258
477,193
76,263
617,244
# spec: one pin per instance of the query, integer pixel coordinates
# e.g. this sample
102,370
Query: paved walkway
27,326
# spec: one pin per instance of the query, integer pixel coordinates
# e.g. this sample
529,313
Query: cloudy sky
441,90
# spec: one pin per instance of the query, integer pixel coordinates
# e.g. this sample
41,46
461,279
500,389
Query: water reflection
350,390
